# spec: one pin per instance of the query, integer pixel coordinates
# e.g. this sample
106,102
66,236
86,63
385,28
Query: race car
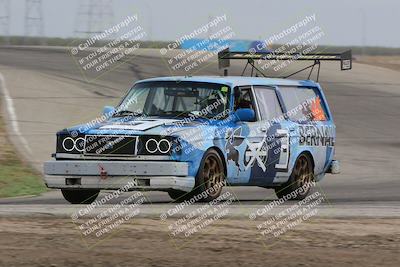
190,136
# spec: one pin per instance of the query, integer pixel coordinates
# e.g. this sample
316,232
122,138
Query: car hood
141,125
145,126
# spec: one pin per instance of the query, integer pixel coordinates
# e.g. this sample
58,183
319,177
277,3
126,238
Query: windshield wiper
128,112
199,115
187,113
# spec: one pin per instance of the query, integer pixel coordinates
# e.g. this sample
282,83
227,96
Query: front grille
110,145
113,145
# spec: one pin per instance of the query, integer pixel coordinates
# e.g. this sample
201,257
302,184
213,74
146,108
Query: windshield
176,99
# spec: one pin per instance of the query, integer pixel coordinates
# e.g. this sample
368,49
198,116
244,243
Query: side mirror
245,114
108,111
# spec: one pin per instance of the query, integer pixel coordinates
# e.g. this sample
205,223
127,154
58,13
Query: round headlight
151,145
68,144
164,146
80,144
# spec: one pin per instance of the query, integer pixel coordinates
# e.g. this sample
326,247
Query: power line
5,19
93,16
34,18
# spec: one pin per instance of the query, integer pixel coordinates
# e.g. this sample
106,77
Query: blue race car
190,136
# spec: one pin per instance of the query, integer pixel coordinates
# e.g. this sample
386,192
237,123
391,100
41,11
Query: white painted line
12,115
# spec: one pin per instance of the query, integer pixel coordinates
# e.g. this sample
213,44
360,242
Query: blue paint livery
244,148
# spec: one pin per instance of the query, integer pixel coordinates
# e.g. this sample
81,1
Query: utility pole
93,16
363,32
5,20
149,16
33,18
210,31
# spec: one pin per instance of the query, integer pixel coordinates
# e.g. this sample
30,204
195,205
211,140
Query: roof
235,80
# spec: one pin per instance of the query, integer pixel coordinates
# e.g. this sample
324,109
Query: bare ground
146,242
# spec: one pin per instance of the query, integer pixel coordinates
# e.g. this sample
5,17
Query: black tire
301,175
80,196
210,177
179,196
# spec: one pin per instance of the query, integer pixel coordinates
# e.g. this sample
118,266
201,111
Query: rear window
303,104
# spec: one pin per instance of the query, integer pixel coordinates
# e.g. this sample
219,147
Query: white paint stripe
13,116
139,125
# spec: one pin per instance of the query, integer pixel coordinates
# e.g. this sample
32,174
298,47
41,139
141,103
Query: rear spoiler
225,56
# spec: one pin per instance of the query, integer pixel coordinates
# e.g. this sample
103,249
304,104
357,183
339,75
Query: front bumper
147,175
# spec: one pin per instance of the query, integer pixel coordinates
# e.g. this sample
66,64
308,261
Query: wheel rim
303,172
212,174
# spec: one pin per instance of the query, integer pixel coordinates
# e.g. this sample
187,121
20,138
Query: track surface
49,93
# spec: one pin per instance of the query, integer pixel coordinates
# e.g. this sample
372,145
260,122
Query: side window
245,99
303,104
268,103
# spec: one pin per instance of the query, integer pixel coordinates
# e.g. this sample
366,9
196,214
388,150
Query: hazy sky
345,22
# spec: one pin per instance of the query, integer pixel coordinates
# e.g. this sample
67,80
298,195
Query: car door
256,141
270,153
237,137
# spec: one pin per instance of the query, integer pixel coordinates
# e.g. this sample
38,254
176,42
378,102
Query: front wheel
80,196
211,176
179,196
299,184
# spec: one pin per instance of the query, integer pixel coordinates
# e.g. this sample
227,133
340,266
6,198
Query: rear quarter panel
316,138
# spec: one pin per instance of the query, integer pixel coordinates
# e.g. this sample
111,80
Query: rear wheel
80,196
299,183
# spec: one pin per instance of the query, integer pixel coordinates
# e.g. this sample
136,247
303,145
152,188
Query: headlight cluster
156,145
69,144
153,146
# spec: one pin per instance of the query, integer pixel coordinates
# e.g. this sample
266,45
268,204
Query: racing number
283,134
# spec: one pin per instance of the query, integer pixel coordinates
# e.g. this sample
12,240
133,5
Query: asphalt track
49,93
